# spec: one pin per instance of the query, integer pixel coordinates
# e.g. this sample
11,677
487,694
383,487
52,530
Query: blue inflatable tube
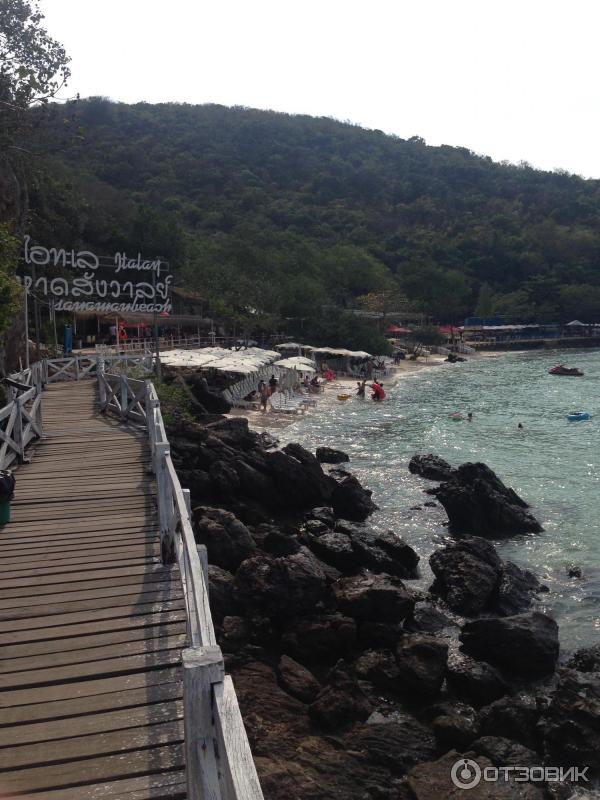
579,415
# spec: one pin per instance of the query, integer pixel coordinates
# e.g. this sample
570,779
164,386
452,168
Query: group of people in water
378,392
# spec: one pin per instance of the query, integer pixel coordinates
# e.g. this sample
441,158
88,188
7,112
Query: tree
33,66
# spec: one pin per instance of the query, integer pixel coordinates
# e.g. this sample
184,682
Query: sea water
552,463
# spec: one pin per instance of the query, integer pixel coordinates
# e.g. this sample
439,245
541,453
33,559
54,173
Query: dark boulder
478,503
456,727
463,578
297,680
335,548
380,551
225,481
319,640
276,540
349,499
327,455
376,635
236,633
379,667
213,401
586,660
516,590
397,745
474,682
280,587
234,432
431,467
323,514
298,477
426,618
524,644
515,718
228,541
571,724
340,704
220,593
504,752
373,597
433,779
422,664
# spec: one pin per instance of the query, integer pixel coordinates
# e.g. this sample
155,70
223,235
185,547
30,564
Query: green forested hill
289,215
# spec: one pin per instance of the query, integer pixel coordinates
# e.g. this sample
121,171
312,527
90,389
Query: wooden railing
219,764
21,417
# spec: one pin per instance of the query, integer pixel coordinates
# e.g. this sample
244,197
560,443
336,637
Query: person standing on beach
273,383
360,391
265,393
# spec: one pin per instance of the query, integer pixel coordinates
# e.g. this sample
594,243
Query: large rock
524,644
426,618
571,723
504,752
297,680
320,640
213,401
431,467
380,551
349,499
516,590
466,574
228,541
280,587
456,726
335,548
220,593
471,578
340,704
298,477
327,455
432,780
478,503
379,667
396,745
422,664
373,597
474,682
515,718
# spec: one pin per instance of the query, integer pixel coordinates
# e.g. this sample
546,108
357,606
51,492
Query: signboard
92,283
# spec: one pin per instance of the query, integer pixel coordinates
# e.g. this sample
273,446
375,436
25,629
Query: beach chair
282,404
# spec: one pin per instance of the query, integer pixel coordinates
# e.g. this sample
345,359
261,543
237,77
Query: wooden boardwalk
91,624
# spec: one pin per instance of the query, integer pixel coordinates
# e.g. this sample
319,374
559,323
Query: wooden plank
51,661
145,552
65,605
130,521
81,642
86,582
113,720
65,568
164,785
93,704
101,769
111,612
81,554
113,572
62,692
92,669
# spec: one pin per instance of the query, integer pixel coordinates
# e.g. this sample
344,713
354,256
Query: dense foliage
289,221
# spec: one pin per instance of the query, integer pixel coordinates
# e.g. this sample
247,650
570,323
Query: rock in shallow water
373,597
475,682
422,665
328,455
524,644
349,499
478,503
431,467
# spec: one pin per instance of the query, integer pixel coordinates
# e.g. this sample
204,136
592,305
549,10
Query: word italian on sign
91,293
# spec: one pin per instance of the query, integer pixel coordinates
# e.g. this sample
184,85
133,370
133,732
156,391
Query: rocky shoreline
353,684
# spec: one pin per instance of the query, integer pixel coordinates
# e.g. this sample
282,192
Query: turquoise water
553,464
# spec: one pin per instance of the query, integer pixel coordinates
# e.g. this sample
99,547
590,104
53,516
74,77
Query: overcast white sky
512,80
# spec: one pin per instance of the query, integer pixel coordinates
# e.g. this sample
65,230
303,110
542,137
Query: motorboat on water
577,416
560,369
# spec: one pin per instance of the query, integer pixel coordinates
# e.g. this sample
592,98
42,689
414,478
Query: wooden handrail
219,764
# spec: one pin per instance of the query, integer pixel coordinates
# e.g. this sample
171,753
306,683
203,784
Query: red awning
447,329
396,329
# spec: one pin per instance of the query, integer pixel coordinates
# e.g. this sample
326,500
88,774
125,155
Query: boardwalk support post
202,667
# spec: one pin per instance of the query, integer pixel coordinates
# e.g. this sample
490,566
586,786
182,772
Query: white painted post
123,397
18,429
202,667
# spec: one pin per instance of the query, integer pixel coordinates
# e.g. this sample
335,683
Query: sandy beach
272,420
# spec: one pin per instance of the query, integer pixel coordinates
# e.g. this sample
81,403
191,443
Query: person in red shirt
378,392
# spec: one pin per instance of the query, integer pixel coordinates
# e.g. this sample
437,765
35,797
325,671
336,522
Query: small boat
560,369
343,397
577,416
